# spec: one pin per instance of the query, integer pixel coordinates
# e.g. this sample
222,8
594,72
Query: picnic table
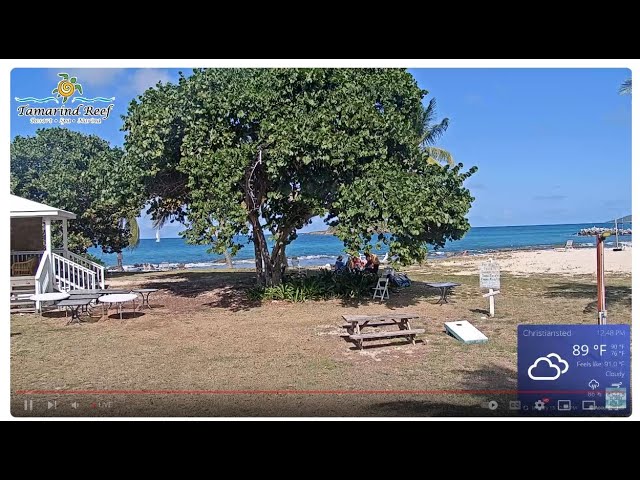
73,305
355,323
445,288
94,291
118,299
48,297
144,293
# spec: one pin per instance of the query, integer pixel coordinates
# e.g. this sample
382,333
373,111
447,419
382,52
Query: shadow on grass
125,315
230,288
615,295
234,299
492,382
481,311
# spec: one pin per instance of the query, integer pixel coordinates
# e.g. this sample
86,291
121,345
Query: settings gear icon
539,405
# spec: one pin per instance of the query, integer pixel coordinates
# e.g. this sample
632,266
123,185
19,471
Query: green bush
324,285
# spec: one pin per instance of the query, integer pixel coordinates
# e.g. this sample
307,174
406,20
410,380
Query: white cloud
92,77
144,78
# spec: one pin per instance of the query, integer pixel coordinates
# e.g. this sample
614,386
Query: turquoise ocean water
321,249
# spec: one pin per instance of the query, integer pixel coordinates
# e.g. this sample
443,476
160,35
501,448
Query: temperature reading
583,350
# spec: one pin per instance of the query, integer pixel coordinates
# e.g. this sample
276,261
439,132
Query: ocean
314,249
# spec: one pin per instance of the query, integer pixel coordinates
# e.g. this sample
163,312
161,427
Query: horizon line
472,226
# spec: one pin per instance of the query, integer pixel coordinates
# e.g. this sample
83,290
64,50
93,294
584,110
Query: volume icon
74,405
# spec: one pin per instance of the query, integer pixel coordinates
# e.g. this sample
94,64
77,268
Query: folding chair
381,290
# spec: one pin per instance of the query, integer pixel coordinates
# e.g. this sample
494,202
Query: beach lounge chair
568,245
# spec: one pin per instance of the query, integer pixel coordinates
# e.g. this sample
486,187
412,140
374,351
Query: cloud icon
549,370
560,360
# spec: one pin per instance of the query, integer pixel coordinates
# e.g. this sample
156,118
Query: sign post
490,279
602,308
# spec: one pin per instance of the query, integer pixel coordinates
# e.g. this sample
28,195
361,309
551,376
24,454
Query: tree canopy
244,151
78,173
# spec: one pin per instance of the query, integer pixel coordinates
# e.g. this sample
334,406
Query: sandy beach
577,261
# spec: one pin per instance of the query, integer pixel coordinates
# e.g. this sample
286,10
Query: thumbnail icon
588,405
564,405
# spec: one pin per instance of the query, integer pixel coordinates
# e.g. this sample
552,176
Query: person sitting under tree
373,263
339,265
354,264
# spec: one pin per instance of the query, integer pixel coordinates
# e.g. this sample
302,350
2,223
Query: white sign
490,275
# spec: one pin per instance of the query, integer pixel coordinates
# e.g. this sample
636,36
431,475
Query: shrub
321,286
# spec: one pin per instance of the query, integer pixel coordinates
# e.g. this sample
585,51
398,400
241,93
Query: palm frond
625,88
434,132
429,113
161,219
438,155
134,232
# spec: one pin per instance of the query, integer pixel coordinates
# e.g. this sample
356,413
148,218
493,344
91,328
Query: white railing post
70,274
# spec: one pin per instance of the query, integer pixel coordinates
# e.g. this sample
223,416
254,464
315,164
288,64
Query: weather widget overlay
570,370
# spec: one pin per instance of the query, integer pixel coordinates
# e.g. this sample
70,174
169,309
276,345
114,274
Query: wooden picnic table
355,323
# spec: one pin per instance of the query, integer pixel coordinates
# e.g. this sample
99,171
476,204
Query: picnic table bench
355,323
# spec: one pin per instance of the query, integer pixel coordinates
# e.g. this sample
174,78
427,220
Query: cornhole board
465,332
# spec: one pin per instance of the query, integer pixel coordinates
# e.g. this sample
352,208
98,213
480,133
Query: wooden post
65,242
492,305
602,308
47,249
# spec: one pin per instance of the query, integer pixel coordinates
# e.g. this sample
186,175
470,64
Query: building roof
21,208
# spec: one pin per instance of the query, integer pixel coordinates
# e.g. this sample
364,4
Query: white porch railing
86,263
24,255
43,278
96,268
70,275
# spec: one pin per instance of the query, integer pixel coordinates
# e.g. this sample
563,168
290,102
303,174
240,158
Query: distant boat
158,235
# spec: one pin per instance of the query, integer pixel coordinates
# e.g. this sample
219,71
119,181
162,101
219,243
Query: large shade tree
78,173
249,151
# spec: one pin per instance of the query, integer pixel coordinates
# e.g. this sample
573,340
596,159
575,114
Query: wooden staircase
21,289
59,272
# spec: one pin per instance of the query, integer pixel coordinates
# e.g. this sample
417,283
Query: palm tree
134,236
625,88
430,133
134,231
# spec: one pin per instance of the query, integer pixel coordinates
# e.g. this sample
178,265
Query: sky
551,145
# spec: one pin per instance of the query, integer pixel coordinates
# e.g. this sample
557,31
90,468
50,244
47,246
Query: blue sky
551,145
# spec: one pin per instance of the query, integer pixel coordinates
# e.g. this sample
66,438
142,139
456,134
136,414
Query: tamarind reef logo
67,90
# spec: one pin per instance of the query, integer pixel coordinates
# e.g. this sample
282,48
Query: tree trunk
228,260
269,273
